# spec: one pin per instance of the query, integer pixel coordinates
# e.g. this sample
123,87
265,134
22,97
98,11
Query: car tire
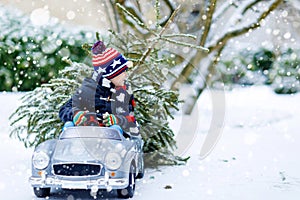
128,192
41,192
140,175
141,170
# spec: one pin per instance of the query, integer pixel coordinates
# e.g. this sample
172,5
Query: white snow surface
256,157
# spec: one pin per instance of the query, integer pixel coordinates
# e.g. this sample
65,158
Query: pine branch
36,119
180,36
132,16
149,49
179,43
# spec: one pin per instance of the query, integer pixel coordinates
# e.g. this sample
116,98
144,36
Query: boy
105,99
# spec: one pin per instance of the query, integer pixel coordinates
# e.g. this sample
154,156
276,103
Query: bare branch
147,52
160,34
172,9
189,67
131,9
208,78
133,15
244,30
208,21
138,3
115,16
181,35
170,5
250,6
185,44
223,9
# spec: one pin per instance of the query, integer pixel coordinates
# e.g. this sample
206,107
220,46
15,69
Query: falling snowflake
40,16
71,15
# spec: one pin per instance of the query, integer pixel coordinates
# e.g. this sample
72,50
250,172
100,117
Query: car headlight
40,160
113,161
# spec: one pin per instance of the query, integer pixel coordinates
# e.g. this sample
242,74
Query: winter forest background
200,68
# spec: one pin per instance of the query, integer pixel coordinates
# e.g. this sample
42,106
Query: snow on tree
206,21
165,43
203,20
31,54
36,119
156,103
202,25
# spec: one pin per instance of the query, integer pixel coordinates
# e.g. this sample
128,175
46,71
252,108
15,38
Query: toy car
88,157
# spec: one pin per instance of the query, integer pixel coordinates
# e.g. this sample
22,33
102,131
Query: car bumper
58,182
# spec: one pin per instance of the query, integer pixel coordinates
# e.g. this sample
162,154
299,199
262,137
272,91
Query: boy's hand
109,119
79,118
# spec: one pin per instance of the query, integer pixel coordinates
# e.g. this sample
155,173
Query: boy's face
120,79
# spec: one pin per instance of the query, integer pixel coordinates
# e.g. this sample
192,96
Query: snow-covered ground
256,157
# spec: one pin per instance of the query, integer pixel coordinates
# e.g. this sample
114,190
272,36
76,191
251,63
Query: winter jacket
100,98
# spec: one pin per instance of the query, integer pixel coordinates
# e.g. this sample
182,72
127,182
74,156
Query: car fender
47,147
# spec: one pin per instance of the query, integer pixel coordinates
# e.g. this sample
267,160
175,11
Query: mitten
68,124
109,119
79,118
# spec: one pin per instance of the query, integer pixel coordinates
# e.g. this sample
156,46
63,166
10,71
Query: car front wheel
141,170
41,192
128,192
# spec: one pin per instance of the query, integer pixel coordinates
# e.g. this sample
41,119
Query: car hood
87,149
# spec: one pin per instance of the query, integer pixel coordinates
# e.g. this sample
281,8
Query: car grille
75,169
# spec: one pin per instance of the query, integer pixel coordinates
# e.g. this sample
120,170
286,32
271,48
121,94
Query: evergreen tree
31,55
148,77
36,119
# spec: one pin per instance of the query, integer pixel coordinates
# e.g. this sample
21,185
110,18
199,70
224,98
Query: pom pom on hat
98,47
107,62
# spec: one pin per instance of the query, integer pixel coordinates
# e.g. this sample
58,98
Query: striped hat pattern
108,61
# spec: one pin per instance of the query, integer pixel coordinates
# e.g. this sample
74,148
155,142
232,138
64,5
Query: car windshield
90,132
83,149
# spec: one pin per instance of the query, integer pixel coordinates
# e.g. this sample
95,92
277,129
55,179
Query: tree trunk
218,46
207,81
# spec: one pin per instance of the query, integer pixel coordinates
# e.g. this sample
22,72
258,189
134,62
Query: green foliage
148,77
263,59
33,55
153,109
287,72
240,69
232,71
155,102
36,119
281,72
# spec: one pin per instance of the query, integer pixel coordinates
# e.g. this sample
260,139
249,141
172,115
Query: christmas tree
149,76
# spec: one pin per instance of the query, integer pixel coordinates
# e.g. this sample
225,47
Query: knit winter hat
108,61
